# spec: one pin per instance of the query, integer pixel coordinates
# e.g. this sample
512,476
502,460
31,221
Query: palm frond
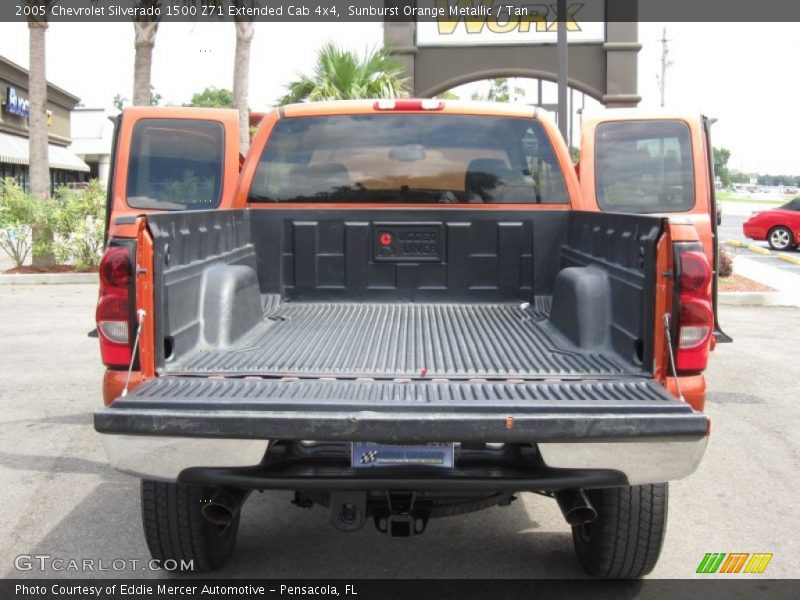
340,74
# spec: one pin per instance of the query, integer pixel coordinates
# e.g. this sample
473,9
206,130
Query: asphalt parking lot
62,500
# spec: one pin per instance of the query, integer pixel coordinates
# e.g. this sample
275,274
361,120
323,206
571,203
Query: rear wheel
175,529
625,540
780,238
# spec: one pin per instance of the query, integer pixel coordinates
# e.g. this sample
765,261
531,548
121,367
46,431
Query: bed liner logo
734,562
408,242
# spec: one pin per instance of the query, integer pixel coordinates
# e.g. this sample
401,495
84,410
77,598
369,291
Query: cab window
409,158
644,167
176,164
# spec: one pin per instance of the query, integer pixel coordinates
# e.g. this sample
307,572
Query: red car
780,227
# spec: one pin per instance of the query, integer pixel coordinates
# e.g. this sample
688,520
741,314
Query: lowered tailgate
392,411
582,433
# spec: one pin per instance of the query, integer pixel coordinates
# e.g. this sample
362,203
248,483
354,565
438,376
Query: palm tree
245,29
145,30
340,74
38,162
39,167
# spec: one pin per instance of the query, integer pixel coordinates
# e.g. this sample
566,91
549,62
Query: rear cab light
693,308
407,105
114,314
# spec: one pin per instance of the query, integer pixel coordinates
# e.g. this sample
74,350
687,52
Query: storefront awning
14,150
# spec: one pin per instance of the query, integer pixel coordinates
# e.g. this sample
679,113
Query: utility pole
665,64
562,54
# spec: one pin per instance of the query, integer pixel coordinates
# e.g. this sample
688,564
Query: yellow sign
492,22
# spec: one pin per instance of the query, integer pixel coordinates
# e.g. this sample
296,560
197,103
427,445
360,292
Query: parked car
780,227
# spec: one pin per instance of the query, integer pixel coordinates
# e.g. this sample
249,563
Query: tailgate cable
140,315
672,356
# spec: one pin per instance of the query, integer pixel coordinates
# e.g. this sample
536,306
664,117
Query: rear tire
780,238
175,529
624,542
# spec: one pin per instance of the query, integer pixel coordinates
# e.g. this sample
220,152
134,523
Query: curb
795,260
758,250
47,278
751,247
756,299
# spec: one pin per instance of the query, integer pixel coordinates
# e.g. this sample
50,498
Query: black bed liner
406,340
413,411
337,308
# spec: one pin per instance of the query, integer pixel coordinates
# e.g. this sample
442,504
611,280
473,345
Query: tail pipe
224,505
576,507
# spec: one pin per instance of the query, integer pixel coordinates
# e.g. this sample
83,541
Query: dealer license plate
372,455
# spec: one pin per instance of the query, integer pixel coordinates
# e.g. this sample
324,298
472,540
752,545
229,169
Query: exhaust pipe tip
580,515
222,508
576,507
218,514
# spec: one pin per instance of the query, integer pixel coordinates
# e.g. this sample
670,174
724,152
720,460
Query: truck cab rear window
409,158
176,164
644,167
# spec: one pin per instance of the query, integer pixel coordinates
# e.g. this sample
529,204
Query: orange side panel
144,299
114,383
683,232
664,287
693,388
114,380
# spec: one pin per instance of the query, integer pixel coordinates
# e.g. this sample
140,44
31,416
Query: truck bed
496,294
384,340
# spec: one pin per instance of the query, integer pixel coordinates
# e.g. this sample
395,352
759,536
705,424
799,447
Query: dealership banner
531,19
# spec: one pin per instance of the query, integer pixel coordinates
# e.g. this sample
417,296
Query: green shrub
78,221
19,212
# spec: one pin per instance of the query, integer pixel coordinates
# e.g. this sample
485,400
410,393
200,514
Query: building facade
65,166
92,138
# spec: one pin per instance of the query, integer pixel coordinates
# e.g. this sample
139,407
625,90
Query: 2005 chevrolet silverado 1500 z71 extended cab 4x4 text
403,310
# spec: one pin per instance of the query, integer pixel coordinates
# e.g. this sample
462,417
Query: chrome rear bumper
639,461
162,458
642,461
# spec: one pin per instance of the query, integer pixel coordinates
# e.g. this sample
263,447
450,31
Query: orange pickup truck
403,310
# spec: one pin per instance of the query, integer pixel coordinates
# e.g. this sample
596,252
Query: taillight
695,274
695,311
113,308
115,268
424,104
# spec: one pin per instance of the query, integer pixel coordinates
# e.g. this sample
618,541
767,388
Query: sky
743,74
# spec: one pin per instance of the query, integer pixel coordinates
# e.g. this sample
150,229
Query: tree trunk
39,165
144,43
241,80
37,122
